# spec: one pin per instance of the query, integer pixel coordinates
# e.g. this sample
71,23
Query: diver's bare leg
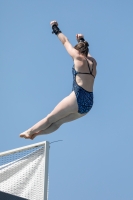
67,106
53,127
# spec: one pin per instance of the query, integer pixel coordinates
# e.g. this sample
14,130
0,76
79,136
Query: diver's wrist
81,39
56,29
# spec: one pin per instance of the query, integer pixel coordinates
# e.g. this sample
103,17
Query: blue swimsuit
84,98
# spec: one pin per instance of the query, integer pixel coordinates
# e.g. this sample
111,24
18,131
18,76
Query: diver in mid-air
80,100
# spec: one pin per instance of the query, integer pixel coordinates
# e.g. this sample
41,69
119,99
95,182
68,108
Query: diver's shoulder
92,59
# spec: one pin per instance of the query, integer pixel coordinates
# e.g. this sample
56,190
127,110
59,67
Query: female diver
80,101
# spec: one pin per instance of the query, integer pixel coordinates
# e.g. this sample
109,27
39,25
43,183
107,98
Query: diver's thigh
67,106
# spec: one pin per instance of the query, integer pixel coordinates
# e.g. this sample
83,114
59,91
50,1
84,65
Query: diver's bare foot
34,135
27,134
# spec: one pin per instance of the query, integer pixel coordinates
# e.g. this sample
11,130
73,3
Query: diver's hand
78,36
54,23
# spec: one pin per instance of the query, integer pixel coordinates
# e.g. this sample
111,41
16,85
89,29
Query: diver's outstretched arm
64,40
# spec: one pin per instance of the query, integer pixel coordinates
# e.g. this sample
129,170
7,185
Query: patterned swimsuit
84,98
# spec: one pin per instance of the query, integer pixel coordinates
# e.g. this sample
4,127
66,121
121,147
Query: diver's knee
56,125
50,119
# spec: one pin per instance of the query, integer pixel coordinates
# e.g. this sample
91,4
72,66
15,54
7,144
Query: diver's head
82,47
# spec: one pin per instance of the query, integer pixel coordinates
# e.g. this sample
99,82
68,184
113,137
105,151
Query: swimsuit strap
89,68
82,73
85,72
